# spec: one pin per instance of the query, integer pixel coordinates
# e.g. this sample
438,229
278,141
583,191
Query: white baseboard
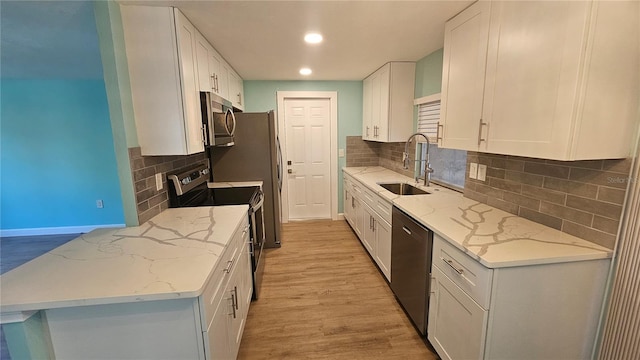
340,216
55,230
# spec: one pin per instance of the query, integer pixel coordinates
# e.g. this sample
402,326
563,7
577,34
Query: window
448,165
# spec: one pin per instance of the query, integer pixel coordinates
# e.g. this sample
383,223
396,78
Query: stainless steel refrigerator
255,155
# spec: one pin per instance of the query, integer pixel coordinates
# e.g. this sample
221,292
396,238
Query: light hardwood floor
323,298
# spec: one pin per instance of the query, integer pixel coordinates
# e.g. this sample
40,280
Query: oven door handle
256,207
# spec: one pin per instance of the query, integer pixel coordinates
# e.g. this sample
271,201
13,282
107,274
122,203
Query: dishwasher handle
406,229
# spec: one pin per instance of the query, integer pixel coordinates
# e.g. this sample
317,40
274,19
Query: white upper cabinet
388,103
161,54
236,90
552,80
209,67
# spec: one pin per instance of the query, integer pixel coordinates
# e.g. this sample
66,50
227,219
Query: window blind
428,117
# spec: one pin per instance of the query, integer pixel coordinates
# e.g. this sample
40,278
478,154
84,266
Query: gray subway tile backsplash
581,198
151,202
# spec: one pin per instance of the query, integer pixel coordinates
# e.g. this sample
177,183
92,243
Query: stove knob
186,180
204,171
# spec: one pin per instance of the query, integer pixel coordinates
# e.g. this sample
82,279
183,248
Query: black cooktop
203,196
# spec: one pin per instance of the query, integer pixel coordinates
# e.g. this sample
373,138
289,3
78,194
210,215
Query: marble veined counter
493,237
169,257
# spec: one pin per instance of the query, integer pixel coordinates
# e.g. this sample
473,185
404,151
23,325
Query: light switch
340,152
482,172
473,170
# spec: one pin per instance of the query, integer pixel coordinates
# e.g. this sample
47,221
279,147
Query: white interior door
308,158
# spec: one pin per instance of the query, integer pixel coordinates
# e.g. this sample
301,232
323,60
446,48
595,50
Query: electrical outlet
340,152
159,181
99,204
482,172
473,170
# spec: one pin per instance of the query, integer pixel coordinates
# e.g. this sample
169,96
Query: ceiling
263,40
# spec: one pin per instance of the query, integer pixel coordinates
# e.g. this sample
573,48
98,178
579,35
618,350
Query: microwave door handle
230,115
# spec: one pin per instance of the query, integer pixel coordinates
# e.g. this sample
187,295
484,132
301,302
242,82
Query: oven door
256,219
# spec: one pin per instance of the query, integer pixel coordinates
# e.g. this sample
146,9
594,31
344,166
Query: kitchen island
501,286
150,291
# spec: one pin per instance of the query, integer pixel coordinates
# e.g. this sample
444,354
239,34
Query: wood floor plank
324,298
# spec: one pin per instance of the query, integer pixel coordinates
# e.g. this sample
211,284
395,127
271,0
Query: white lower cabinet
207,327
545,311
231,302
370,217
457,324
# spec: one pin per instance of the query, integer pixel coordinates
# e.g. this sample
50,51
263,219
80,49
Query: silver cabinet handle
438,136
217,84
235,290
212,80
233,301
367,131
406,230
480,139
450,263
229,265
204,135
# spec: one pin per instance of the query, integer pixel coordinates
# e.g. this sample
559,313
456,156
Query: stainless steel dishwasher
411,247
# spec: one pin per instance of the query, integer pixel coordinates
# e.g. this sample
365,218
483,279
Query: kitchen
349,92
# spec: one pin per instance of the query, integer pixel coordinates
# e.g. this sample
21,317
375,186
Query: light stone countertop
493,237
170,256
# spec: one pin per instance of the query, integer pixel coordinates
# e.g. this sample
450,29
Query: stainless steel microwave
218,118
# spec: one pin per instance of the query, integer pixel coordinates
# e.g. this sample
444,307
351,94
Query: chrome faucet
405,158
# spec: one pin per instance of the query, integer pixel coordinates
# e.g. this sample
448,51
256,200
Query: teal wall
261,96
56,155
429,74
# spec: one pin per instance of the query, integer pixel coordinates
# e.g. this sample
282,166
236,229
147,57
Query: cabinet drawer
369,197
464,271
383,208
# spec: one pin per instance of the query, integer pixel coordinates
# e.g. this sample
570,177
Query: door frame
332,96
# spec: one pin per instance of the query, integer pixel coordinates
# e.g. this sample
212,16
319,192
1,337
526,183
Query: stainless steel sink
403,189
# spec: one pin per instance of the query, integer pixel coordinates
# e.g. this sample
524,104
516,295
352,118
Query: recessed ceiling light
305,71
313,38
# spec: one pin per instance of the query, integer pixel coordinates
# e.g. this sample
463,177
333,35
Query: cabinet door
383,245
186,38
217,335
214,67
376,90
223,81
382,125
359,216
367,128
463,74
457,324
348,205
533,66
205,71
234,290
368,233
235,89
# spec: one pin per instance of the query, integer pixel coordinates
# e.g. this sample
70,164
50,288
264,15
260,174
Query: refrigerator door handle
279,164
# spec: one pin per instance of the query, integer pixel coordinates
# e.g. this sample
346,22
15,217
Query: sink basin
403,189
